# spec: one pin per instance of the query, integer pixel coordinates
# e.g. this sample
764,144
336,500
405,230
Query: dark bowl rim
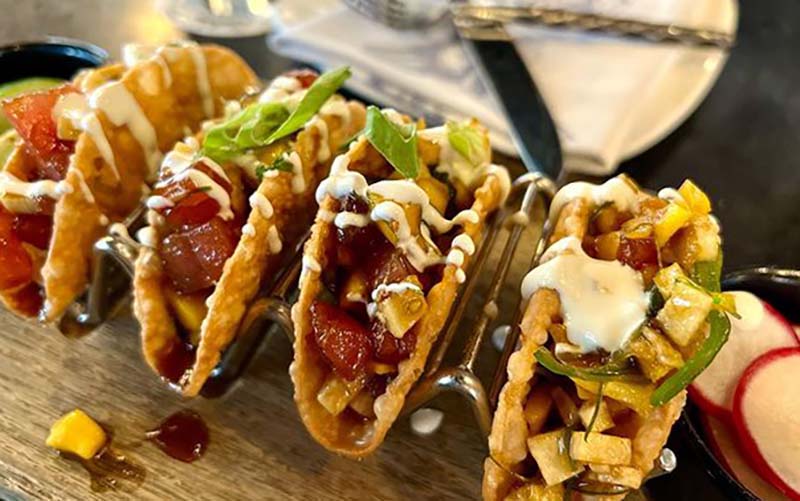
55,41
736,279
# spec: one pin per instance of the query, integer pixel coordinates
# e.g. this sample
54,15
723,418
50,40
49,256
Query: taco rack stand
113,264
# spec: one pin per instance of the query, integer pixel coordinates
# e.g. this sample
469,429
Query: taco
623,311
225,206
85,154
400,215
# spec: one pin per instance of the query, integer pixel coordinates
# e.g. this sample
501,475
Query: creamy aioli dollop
602,302
616,190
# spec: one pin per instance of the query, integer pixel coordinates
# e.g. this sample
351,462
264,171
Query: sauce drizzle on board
183,436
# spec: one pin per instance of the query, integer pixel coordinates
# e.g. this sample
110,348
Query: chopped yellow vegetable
399,311
654,354
666,278
364,403
437,192
552,458
684,313
565,405
537,409
600,448
77,433
190,310
536,492
627,476
337,393
697,200
354,291
672,219
602,422
635,396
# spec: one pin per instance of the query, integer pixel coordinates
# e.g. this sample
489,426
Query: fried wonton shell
507,440
249,264
173,104
308,370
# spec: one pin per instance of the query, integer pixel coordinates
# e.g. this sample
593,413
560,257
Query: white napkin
610,97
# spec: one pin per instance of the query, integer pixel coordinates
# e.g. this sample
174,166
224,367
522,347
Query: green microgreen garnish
468,142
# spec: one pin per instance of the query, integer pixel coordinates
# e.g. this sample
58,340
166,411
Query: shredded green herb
281,163
468,142
596,411
397,143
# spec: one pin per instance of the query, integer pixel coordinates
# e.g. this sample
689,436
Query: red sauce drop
183,436
174,364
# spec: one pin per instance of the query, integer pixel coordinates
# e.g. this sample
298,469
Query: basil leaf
316,95
261,124
468,142
250,128
280,163
397,144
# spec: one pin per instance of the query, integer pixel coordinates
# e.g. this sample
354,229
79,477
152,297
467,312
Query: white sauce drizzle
262,204
201,72
213,189
87,193
383,290
157,202
11,185
248,229
298,178
274,240
75,108
616,190
672,195
280,88
324,152
121,108
462,245
148,237
345,219
603,302
309,264
338,107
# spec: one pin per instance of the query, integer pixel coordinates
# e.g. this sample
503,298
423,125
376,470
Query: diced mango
354,292
607,245
337,393
537,409
77,433
697,200
549,450
565,405
189,309
381,368
633,395
654,354
600,448
413,216
364,403
666,278
672,219
602,422
626,476
536,492
684,313
437,191
399,311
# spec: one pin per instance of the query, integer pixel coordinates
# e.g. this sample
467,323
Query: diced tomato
196,208
193,258
32,116
343,341
389,349
27,300
387,265
16,267
34,229
305,76
637,253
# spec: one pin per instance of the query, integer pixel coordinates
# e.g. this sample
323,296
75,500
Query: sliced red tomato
343,341
389,349
194,257
305,76
387,265
637,253
194,209
16,267
34,229
32,116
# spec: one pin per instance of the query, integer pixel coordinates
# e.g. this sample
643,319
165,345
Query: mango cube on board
77,433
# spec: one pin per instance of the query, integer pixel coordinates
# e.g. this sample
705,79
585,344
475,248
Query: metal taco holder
536,138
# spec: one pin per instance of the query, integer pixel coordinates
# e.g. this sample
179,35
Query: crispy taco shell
340,434
252,260
168,93
507,440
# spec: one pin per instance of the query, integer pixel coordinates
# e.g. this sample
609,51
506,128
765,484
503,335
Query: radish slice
761,329
722,441
766,416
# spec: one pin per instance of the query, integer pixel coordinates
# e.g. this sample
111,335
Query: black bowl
52,57
781,289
